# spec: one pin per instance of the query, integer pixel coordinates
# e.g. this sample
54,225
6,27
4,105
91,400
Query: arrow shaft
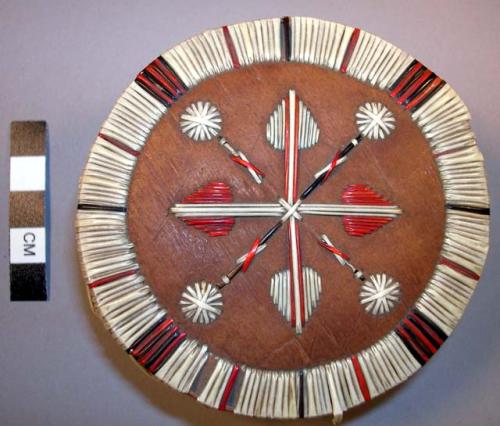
236,156
277,210
349,209
340,257
292,128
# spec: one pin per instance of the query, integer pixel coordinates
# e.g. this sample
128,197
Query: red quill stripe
161,359
229,387
332,165
448,151
230,47
247,164
301,277
151,337
151,351
358,226
119,144
414,86
363,194
420,336
169,74
212,193
361,378
424,93
161,82
333,250
250,256
406,79
427,329
293,319
160,79
141,78
215,227
459,268
410,341
112,278
350,50
296,148
287,140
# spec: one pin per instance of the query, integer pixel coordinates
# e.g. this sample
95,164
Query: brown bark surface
251,330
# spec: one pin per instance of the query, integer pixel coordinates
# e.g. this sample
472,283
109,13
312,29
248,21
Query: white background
68,61
21,240
27,173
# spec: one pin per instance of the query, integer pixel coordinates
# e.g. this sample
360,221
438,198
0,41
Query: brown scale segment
27,209
172,255
28,137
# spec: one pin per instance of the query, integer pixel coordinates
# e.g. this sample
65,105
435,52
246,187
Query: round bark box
283,218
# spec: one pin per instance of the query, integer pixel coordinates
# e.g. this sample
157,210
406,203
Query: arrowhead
280,120
212,193
281,288
358,226
363,194
360,194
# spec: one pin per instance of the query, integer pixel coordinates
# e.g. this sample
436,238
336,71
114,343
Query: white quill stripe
257,41
277,210
214,388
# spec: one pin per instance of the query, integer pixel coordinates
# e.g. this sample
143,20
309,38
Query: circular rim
120,295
